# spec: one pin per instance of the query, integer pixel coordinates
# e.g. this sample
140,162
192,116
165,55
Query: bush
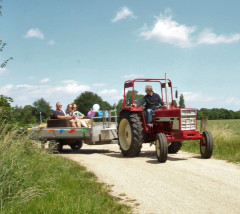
32,181
19,159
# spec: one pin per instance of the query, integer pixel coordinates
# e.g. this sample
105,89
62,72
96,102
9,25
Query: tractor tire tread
209,145
137,134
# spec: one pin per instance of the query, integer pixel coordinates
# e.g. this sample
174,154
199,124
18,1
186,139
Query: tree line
30,114
218,114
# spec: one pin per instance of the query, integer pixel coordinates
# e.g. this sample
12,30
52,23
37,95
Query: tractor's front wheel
206,145
161,147
130,134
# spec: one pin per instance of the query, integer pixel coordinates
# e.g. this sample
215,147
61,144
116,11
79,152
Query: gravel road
184,184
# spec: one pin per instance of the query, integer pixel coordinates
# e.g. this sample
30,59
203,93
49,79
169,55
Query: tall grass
32,181
226,138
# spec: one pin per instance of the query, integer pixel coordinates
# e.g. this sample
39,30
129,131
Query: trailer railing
107,116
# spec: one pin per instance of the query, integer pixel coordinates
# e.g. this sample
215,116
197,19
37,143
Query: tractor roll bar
130,84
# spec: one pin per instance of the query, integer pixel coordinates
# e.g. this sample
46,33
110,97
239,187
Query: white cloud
109,92
51,42
233,101
25,94
75,88
24,86
122,14
166,30
198,96
4,71
208,37
132,76
204,100
34,33
46,80
99,84
110,95
6,89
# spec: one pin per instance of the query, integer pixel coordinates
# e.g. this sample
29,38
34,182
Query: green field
226,137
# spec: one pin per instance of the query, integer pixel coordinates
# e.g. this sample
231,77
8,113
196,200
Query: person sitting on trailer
153,102
59,113
74,122
69,109
79,116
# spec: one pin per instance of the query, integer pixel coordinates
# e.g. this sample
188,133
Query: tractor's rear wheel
206,145
161,147
174,147
130,134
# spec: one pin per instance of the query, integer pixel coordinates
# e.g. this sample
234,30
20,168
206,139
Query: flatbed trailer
103,130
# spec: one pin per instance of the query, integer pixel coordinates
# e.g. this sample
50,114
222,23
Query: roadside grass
226,138
32,181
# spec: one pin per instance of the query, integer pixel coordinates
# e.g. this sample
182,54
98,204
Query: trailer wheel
55,146
76,146
130,134
161,147
206,145
174,147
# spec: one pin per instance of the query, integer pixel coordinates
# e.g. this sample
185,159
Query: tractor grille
188,119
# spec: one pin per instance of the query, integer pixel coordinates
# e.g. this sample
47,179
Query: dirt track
184,184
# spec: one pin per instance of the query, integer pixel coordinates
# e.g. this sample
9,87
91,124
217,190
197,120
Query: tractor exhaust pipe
166,90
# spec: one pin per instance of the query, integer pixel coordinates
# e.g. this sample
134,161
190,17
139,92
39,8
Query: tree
237,115
128,101
29,114
5,108
0,8
199,114
230,114
3,44
44,107
86,100
26,115
181,101
174,103
218,114
17,113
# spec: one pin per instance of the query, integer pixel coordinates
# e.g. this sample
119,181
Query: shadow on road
150,155
196,156
85,151
176,159
155,161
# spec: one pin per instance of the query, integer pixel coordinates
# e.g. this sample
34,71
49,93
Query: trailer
58,132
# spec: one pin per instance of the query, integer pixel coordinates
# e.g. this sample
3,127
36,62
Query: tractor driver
153,102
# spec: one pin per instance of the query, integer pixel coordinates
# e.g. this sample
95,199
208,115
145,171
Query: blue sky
62,48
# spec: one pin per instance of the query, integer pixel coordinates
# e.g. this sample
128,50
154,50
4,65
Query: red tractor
170,126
